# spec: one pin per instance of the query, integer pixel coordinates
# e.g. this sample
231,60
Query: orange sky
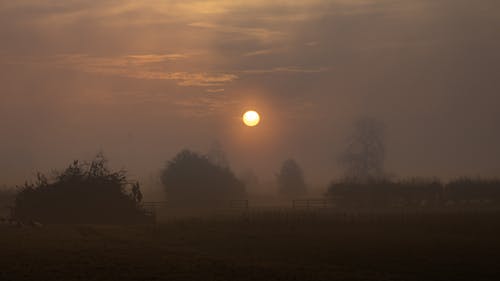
141,80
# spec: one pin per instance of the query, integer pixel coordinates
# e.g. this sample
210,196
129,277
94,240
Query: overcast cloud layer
141,80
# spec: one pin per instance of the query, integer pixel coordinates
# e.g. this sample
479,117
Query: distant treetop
190,176
290,179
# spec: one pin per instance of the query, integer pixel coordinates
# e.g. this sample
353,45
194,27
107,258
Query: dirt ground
452,247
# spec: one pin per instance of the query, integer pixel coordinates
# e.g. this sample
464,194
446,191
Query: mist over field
249,140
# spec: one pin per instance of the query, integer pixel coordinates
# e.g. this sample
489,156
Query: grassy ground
444,247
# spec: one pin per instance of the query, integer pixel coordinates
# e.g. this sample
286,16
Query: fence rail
312,203
312,209
152,207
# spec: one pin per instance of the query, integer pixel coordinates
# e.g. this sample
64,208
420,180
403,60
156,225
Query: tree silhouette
249,178
291,179
7,197
191,177
216,155
136,192
386,193
465,190
82,193
363,160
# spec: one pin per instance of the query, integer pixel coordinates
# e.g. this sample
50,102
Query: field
455,246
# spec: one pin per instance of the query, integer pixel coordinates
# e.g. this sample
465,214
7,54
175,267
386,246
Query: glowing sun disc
251,118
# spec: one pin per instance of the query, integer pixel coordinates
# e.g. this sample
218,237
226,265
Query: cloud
259,33
143,67
418,65
202,79
286,69
116,61
215,90
150,58
312,44
201,106
259,53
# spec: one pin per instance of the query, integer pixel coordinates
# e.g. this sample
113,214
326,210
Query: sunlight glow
251,118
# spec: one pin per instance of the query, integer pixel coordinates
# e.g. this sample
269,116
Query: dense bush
467,190
415,192
386,193
7,197
192,178
82,193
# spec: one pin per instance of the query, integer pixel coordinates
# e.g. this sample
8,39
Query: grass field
431,247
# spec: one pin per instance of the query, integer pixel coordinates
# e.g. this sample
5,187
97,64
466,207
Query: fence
312,204
228,206
306,209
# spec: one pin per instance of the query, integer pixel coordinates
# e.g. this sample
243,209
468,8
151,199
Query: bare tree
363,159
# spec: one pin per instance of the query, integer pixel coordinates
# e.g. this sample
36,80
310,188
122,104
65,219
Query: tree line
90,192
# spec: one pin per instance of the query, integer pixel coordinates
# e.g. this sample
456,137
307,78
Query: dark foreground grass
445,247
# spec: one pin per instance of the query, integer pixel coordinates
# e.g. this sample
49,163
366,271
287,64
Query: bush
386,193
7,197
190,178
467,190
82,193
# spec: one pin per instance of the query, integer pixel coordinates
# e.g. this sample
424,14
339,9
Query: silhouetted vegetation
192,178
386,193
7,196
249,178
217,155
473,191
415,192
82,193
291,179
363,159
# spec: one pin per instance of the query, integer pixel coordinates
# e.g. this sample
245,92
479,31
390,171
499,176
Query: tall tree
363,159
291,179
217,155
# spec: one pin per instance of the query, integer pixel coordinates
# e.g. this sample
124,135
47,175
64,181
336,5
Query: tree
249,178
363,159
291,179
191,177
217,156
136,192
82,193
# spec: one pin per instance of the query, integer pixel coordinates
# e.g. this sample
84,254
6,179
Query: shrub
386,193
473,189
82,193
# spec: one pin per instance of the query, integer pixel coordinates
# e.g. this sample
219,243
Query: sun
251,118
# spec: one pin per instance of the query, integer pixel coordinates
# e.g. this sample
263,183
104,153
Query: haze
141,80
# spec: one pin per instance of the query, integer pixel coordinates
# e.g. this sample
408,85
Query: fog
142,80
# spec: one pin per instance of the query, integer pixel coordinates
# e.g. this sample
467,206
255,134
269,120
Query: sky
141,80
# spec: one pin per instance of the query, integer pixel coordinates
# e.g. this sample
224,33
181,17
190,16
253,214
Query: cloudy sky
141,80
